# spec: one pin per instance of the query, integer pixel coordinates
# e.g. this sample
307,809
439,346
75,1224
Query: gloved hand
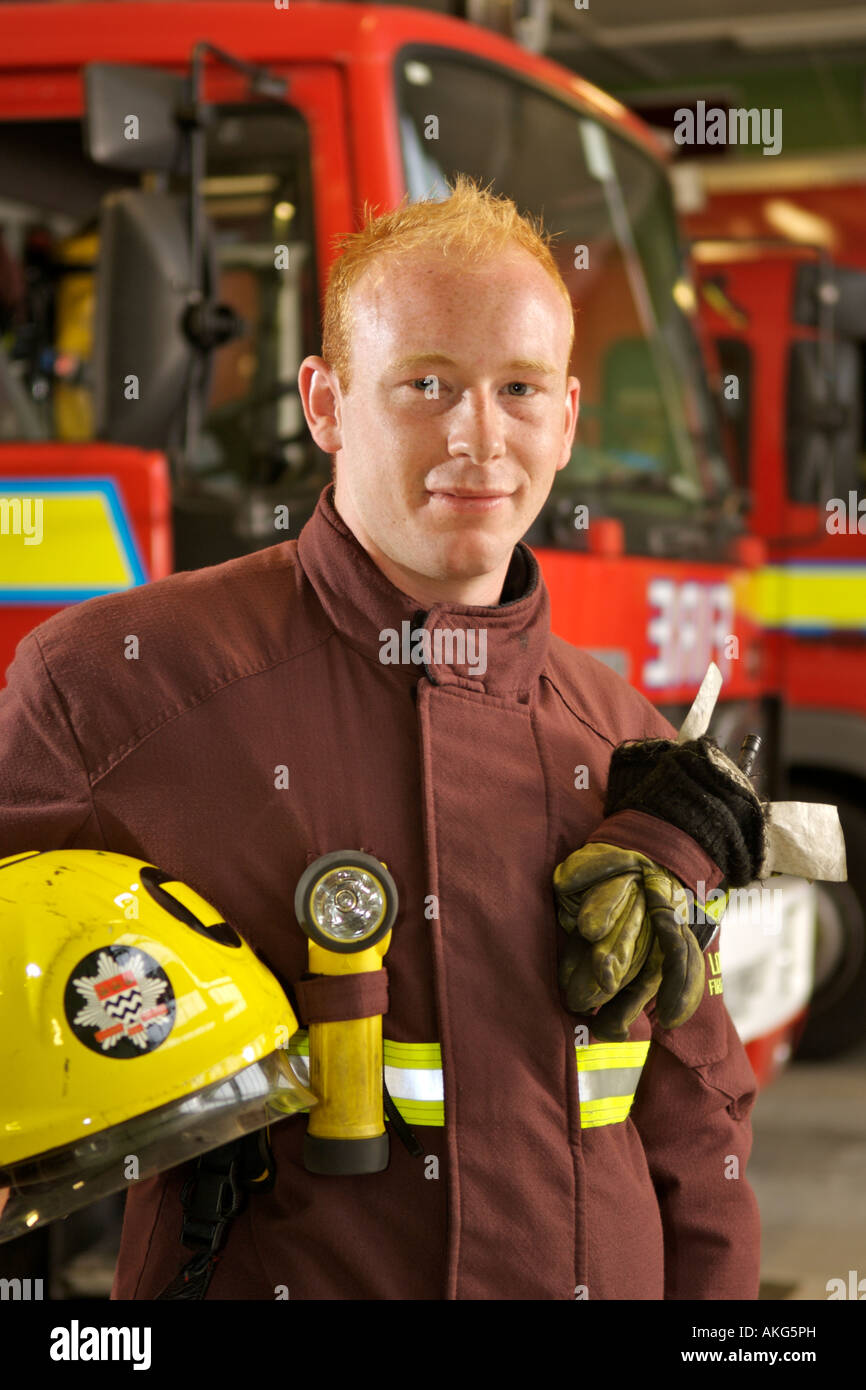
630,939
696,787
631,916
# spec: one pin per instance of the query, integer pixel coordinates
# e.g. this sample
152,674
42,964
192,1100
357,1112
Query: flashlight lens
348,904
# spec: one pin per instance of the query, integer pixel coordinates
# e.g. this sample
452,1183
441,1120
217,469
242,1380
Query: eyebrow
441,359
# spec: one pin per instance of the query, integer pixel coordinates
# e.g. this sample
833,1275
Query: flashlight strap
401,1129
339,998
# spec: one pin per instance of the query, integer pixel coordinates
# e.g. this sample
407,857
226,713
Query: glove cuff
695,787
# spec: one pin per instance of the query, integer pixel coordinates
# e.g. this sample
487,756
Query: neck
485,591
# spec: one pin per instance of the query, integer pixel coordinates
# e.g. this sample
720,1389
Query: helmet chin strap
215,1194
218,1191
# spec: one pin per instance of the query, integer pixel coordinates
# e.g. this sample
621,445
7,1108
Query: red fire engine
789,327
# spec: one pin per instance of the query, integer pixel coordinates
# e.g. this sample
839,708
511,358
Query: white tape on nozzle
805,838
697,721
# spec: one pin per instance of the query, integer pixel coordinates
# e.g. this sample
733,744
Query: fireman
266,722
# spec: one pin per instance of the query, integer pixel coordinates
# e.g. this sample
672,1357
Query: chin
471,557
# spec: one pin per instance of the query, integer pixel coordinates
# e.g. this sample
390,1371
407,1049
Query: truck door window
49,203
258,197
735,362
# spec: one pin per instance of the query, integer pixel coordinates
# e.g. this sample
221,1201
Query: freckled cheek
403,429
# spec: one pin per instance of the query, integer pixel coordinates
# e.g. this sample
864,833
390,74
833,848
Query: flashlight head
346,901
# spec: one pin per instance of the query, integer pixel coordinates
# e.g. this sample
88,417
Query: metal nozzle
748,753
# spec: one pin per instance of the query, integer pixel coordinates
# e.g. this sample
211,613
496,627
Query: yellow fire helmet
138,1030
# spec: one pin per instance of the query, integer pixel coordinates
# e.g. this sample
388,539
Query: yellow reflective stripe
820,595
608,1074
603,1056
604,1112
424,1055
413,1075
420,1112
607,1078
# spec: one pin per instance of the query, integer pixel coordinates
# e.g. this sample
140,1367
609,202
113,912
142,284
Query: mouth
470,501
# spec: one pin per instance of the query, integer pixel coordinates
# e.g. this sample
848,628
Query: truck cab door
277,192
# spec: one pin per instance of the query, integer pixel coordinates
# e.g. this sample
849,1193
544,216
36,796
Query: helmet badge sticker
128,1003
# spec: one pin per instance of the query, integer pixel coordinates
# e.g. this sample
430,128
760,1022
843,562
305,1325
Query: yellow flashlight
346,903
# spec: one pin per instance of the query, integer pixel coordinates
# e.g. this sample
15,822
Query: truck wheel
837,1010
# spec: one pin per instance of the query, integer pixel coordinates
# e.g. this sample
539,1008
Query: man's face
458,386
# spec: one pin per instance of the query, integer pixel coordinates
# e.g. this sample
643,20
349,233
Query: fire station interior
660,265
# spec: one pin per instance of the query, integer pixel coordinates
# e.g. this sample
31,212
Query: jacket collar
499,650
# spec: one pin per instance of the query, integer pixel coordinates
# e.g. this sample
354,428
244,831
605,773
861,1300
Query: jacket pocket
710,1046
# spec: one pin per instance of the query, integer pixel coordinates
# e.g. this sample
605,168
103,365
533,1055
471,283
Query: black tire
837,1011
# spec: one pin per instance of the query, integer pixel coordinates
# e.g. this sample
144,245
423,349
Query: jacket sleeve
664,844
693,1113
45,794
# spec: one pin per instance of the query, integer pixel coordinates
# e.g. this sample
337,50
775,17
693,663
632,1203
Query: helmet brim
52,1184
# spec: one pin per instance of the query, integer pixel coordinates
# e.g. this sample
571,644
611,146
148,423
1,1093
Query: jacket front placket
508,1091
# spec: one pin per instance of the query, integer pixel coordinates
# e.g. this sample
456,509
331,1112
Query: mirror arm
208,325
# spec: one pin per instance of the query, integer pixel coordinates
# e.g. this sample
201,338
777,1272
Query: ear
321,398
572,410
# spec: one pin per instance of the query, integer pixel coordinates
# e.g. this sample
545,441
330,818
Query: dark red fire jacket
540,1178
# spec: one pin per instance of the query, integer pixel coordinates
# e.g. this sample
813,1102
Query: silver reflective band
414,1085
413,1075
619,1081
607,1078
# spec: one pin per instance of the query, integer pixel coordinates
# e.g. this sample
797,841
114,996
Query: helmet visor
59,1181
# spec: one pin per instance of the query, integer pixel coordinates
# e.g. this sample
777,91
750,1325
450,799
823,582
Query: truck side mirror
131,117
823,422
142,357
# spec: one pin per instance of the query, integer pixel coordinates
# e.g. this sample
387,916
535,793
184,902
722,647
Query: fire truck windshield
648,436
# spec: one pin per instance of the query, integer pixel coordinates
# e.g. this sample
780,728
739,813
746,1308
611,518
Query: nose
477,430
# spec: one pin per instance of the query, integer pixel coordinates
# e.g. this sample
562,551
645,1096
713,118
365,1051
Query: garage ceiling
618,41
